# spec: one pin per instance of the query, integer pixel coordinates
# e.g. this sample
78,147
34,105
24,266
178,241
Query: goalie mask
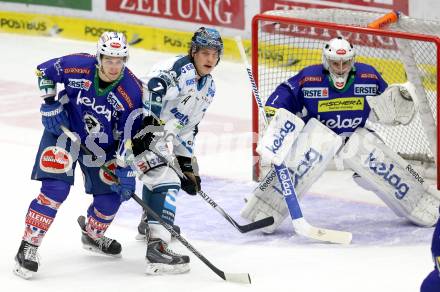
338,59
112,44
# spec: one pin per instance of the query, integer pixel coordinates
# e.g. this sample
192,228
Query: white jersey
184,103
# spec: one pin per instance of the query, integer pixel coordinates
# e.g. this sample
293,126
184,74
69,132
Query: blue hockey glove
127,183
53,116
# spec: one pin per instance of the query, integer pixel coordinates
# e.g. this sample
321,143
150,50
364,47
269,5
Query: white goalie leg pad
311,153
393,179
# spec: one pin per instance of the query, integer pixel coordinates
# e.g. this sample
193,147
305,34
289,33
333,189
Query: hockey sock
43,209
163,201
101,213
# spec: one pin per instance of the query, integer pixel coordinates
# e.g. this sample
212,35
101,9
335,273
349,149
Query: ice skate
103,245
161,260
27,260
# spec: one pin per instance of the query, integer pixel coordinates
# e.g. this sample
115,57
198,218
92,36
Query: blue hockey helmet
206,38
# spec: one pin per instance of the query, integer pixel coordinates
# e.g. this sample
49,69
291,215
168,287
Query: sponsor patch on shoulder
365,89
55,159
315,92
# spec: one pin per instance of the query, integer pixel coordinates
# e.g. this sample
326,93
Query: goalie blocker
312,151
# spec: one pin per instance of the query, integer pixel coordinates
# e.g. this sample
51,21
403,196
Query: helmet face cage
113,44
206,38
338,51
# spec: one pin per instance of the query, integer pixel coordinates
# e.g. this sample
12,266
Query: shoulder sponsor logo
315,92
80,83
341,104
191,81
114,101
187,68
365,89
77,70
369,76
99,109
341,123
125,96
310,79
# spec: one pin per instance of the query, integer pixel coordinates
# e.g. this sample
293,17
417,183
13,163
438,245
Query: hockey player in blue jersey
178,93
99,98
335,99
432,282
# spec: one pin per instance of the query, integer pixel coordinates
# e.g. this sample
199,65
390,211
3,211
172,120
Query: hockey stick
300,225
231,277
242,228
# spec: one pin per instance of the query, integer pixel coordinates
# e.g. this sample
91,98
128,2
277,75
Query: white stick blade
238,278
333,236
302,227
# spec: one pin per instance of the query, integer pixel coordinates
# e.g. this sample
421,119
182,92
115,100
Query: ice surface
387,254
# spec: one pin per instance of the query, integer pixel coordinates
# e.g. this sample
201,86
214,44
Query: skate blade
161,269
22,272
141,237
98,251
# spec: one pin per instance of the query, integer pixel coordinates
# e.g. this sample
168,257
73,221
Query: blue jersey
311,94
432,281
92,110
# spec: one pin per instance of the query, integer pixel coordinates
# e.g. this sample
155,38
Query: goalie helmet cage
285,41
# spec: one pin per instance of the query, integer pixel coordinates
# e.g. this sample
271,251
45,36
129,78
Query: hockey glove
53,116
127,183
191,182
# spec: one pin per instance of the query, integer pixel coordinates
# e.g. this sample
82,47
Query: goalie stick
244,278
242,228
300,225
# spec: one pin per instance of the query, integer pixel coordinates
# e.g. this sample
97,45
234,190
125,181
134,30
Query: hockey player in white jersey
178,93
337,97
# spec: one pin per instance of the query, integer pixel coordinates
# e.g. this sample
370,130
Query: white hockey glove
395,106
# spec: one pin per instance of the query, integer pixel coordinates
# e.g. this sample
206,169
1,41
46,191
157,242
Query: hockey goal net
284,42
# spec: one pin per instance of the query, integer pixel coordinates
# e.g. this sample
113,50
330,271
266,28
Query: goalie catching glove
395,106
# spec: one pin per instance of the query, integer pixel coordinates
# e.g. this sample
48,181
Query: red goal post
284,42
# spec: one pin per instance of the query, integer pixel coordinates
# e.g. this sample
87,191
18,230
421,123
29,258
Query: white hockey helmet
338,59
113,44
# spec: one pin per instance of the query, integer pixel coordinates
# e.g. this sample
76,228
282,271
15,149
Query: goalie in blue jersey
335,99
99,99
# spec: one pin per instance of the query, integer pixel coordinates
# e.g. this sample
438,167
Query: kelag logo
279,138
386,172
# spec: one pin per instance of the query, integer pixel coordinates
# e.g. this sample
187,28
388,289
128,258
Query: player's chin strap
300,225
231,277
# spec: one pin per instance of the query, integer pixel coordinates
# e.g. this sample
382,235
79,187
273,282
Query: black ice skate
103,245
27,260
143,226
161,260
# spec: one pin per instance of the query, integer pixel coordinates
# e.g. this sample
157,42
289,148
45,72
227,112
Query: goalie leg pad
393,179
311,153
